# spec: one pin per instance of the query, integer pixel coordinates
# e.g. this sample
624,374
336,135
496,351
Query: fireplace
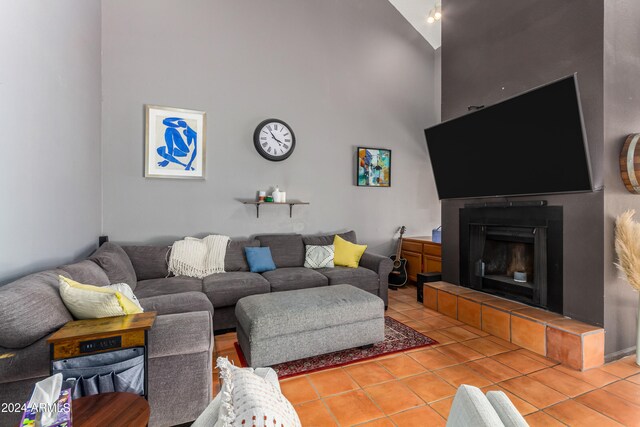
513,252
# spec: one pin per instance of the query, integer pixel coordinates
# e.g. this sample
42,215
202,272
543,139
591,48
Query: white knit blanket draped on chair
198,257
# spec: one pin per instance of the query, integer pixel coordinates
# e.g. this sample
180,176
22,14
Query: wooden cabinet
422,255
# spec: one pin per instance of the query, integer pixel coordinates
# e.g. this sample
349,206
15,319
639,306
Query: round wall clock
274,140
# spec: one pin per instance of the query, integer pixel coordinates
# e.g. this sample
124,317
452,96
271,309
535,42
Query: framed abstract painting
373,167
175,144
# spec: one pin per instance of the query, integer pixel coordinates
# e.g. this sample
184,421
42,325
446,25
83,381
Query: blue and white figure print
175,143
176,146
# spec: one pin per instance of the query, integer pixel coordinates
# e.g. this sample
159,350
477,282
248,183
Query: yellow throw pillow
347,254
93,302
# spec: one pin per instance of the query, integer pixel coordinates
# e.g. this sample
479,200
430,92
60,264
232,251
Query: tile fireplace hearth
573,343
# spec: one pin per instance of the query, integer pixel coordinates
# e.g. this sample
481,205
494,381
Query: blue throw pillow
259,259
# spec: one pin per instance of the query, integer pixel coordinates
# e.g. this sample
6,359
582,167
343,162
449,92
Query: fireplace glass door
509,261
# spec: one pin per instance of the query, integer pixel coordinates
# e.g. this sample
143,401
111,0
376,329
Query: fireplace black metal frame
546,220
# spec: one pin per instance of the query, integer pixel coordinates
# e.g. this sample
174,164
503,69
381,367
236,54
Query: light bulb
438,13
432,16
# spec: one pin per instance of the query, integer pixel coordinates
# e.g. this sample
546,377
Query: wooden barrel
630,163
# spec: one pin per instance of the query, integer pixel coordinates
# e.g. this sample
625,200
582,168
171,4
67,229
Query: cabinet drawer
432,249
411,246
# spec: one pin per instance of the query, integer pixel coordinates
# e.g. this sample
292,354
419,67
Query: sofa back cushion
287,250
31,309
116,263
327,239
86,272
235,259
149,262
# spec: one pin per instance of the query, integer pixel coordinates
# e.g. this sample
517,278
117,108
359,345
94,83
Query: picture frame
175,143
373,167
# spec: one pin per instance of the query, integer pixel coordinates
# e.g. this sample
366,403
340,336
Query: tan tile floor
416,387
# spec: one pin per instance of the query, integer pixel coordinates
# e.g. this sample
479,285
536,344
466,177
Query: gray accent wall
492,53
342,74
50,122
621,118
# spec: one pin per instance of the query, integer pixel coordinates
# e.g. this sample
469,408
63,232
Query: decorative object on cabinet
629,167
274,140
436,234
291,204
422,255
174,143
373,167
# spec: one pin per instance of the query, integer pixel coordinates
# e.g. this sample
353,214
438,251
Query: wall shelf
291,204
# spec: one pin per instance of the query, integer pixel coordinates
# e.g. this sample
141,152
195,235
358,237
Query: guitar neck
399,248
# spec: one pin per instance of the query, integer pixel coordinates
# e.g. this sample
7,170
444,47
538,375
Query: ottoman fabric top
282,313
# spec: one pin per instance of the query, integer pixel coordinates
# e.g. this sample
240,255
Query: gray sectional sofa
189,311
225,290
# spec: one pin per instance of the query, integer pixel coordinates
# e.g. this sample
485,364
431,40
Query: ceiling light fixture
432,17
435,14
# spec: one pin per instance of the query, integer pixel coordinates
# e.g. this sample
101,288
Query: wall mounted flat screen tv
533,143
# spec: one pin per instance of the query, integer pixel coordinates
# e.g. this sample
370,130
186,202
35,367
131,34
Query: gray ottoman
284,326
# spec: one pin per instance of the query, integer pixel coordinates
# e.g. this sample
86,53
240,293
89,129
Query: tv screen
533,143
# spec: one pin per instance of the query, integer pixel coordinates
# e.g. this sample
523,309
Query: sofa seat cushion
288,279
86,272
116,263
226,289
287,250
185,302
31,309
360,277
167,286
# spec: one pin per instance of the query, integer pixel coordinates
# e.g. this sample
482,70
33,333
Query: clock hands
274,137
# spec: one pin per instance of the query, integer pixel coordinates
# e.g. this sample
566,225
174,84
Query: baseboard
619,354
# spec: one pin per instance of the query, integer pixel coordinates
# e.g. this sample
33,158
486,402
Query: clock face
274,140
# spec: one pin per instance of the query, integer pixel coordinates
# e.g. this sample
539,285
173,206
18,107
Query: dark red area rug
397,337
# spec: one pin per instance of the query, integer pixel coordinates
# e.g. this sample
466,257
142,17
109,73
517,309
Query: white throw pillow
125,290
319,256
246,397
93,302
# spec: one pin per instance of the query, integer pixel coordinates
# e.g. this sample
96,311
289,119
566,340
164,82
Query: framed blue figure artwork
174,143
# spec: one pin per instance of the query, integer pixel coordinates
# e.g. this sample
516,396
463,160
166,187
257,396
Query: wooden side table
81,338
110,409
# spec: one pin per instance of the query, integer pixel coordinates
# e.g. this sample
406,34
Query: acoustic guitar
398,276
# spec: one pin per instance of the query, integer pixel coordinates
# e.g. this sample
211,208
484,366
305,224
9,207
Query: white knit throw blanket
198,257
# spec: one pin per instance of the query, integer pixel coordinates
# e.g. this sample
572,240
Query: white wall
342,74
50,124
